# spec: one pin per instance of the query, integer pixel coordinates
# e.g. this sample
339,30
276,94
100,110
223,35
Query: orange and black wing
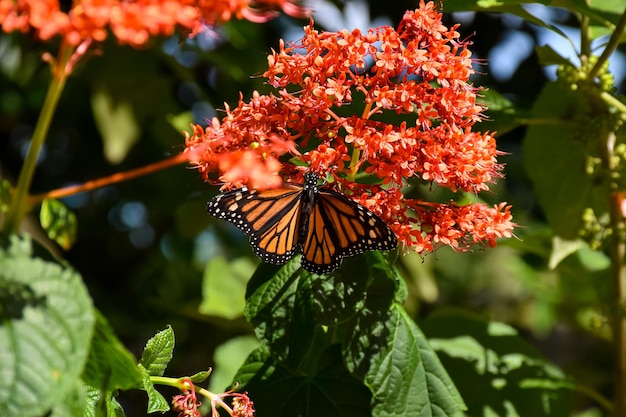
269,217
339,227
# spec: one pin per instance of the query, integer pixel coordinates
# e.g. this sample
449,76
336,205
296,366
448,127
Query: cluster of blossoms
187,404
132,22
417,74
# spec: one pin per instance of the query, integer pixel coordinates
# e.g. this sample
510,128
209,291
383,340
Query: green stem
617,253
585,39
613,101
179,383
18,207
611,45
183,384
596,396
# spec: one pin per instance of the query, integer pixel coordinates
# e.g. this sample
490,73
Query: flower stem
111,179
18,208
180,383
617,253
618,275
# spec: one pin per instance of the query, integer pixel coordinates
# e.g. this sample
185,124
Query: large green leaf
330,392
110,365
496,371
278,310
287,305
46,325
73,405
555,158
313,325
387,350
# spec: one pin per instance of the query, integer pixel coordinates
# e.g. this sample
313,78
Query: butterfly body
324,225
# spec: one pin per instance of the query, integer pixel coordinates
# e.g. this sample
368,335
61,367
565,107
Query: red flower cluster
418,74
187,403
132,22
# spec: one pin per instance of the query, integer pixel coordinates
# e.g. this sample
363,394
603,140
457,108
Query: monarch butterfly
324,225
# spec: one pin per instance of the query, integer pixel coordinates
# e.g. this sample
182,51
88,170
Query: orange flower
132,22
420,73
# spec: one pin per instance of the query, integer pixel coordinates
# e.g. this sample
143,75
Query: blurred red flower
132,22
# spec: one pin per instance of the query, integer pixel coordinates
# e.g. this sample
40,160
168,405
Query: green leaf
110,365
73,405
46,323
390,354
154,359
224,287
101,404
303,317
555,160
562,248
496,371
113,408
228,358
287,304
158,352
276,306
199,377
548,56
499,6
593,260
116,122
181,121
127,103
59,222
503,115
603,15
336,393
156,401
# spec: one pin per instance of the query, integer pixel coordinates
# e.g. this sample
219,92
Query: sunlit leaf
496,371
130,96
117,124
158,352
562,248
555,161
45,327
73,405
228,357
224,287
392,356
110,365
59,222
156,401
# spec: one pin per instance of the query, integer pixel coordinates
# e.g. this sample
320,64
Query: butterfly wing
269,217
339,227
